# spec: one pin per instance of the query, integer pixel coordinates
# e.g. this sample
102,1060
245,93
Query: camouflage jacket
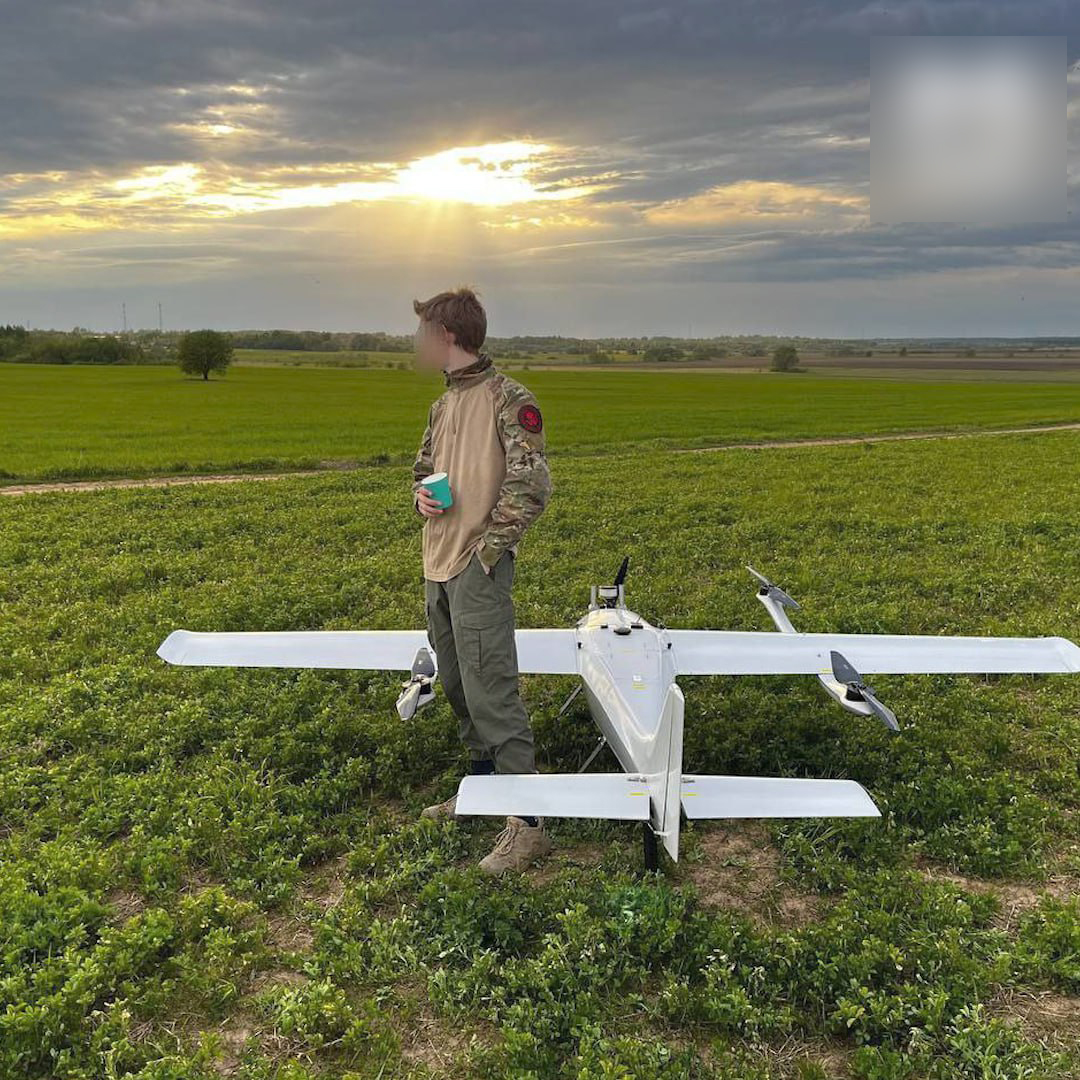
487,433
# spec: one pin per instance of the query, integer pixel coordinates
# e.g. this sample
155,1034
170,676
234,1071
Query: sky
592,168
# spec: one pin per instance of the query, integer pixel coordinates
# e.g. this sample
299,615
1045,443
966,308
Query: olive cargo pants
470,622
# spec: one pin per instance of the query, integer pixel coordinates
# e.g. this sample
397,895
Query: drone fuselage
628,677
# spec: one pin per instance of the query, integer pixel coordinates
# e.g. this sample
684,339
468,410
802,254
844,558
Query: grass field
84,422
210,872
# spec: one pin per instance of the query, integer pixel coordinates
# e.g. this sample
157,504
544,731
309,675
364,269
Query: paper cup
439,485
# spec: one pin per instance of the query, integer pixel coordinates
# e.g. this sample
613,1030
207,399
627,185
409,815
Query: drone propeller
773,591
858,690
418,690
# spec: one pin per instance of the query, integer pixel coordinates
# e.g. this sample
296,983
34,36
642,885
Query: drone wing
539,651
753,652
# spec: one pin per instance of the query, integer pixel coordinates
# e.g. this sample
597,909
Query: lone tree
203,351
784,358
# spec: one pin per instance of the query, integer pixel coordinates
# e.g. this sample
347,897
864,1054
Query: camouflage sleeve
527,486
424,465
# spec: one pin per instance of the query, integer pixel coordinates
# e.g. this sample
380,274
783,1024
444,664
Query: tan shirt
473,436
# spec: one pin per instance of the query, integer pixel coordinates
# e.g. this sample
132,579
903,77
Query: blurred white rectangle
968,129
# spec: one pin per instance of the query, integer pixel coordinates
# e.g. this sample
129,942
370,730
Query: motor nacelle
609,596
419,689
606,596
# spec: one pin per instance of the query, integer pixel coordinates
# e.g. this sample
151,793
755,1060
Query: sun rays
493,176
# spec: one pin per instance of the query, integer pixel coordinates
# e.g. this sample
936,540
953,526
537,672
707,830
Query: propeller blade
778,594
423,664
774,591
886,715
761,577
620,577
842,669
418,690
406,703
845,672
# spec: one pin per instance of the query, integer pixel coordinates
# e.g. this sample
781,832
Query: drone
628,670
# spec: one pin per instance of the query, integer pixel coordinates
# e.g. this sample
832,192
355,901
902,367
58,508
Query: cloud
753,200
695,141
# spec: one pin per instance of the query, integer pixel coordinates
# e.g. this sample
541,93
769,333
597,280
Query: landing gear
652,861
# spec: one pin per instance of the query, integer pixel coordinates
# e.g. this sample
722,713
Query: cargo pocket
483,598
467,646
487,646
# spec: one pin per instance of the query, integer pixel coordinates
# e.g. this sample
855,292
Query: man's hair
460,312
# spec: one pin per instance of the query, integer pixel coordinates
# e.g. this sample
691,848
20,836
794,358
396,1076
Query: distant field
63,422
360,359
1057,365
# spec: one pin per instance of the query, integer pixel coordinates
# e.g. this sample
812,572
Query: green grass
192,855
82,422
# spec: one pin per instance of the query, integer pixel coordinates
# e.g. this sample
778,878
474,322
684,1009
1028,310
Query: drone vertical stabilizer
669,804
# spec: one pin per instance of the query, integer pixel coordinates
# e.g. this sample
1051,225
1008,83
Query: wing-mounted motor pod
419,689
855,698
857,690
773,592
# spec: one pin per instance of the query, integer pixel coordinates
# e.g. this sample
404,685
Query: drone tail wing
586,795
773,796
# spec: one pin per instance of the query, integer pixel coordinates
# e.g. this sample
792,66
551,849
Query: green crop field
84,422
213,871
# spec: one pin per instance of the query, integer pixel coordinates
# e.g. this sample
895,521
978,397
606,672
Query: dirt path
330,467
156,481
841,440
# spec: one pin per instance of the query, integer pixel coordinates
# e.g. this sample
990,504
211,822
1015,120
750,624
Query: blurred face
971,130
432,346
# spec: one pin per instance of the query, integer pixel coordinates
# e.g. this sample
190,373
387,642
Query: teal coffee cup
439,485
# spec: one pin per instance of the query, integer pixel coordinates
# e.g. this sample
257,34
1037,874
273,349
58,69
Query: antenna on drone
620,577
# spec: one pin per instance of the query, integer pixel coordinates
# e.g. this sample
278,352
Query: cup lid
435,476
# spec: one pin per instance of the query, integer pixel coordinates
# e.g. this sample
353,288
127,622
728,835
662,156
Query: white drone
628,669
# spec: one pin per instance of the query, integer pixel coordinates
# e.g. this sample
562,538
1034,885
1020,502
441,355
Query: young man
487,434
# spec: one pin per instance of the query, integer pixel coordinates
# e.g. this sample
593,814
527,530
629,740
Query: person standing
486,432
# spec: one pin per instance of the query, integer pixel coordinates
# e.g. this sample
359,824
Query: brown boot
442,811
516,846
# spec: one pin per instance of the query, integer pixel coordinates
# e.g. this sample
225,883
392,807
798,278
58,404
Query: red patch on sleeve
529,418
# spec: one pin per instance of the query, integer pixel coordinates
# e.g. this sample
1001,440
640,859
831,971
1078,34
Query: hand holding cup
428,506
434,497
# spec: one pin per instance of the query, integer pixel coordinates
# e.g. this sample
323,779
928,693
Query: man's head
451,331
